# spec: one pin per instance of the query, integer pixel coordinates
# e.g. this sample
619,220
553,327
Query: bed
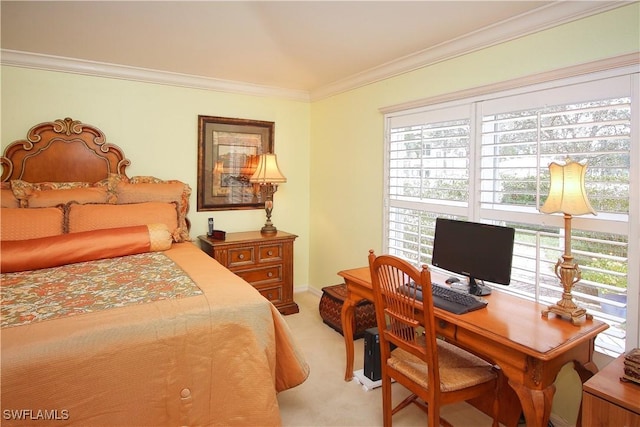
111,315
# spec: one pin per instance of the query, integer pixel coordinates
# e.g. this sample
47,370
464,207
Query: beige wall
157,127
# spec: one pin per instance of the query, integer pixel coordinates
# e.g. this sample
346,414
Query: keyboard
453,301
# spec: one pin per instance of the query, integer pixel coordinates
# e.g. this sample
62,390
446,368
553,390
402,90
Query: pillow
47,198
7,198
140,189
100,216
46,194
33,254
21,224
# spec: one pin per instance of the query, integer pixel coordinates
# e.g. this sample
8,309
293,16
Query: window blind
487,161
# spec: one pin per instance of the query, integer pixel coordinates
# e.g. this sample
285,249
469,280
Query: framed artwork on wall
228,153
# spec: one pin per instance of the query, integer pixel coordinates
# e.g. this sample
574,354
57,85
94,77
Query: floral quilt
85,287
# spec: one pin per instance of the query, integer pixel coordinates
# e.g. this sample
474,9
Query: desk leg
536,404
585,372
346,317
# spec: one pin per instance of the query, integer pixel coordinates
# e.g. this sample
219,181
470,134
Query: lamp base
569,274
268,230
267,190
576,315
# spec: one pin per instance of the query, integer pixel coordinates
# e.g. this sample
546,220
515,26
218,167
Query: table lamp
268,176
568,196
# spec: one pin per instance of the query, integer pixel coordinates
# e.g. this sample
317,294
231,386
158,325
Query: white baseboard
307,288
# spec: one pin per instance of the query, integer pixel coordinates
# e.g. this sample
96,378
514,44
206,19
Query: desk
510,332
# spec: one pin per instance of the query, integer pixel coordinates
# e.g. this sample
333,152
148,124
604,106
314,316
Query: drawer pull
270,296
270,253
442,323
241,256
270,274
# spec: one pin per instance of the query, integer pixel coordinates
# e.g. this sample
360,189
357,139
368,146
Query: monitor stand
478,289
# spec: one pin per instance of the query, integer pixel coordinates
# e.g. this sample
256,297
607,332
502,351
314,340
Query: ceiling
297,45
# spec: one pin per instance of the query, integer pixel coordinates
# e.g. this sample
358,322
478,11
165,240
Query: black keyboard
453,301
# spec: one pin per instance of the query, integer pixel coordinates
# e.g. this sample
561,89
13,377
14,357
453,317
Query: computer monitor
482,252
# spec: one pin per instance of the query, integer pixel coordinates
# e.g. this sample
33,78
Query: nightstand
608,401
266,262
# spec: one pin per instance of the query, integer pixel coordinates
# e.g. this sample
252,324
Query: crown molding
101,69
552,15
617,65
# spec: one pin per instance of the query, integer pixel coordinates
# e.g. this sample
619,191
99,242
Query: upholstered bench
331,303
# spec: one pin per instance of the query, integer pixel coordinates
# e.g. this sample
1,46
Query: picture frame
228,153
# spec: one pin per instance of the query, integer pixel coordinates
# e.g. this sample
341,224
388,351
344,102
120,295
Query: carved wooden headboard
62,151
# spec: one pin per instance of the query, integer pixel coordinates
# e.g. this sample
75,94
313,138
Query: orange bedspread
216,359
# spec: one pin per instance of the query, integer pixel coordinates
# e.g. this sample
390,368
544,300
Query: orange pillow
33,254
140,189
8,199
43,199
149,192
99,216
21,224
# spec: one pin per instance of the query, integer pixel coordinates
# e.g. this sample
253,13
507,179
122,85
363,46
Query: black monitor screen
478,251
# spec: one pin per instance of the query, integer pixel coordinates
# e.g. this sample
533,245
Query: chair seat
459,369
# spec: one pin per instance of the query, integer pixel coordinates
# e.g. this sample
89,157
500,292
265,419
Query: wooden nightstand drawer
270,253
241,256
266,262
256,276
272,293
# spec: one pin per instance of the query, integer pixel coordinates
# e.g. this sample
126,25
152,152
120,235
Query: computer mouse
451,280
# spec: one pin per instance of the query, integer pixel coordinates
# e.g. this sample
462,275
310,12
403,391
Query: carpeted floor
325,399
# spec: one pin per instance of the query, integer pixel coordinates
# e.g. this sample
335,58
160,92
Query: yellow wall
347,129
157,127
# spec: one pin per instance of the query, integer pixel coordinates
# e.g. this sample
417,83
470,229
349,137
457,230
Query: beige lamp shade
267,171
567,193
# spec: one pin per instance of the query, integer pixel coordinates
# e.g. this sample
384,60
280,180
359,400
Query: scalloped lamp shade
567,193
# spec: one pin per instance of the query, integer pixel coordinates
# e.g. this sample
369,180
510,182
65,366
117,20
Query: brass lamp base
569,274
268,230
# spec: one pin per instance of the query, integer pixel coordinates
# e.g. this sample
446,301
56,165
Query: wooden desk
511,333
607,401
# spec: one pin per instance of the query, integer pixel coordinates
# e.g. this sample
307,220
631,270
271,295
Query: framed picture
228,152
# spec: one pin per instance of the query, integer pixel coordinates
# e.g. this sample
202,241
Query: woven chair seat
459,369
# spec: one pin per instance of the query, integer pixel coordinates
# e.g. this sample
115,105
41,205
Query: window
486,160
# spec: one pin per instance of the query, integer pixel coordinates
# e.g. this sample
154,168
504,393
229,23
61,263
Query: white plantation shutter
428,165
486,160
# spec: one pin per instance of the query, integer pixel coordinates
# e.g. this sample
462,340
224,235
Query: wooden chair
420,359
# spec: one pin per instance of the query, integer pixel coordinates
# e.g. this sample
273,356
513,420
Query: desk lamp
567,195
268,176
